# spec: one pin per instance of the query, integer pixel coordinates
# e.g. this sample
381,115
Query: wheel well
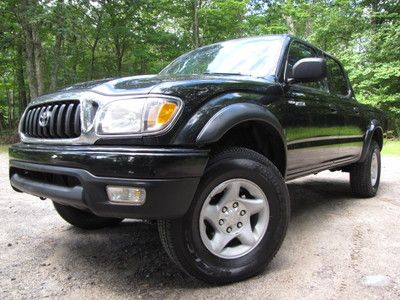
378,137
257,136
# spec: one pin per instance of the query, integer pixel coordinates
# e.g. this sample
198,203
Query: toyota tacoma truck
203,148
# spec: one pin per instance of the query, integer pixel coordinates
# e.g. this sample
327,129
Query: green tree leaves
80,40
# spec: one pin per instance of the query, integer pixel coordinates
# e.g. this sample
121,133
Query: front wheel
237,220
365,176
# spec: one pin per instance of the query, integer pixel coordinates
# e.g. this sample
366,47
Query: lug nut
229,229
221,222
242,213
224,209
235,205
239,224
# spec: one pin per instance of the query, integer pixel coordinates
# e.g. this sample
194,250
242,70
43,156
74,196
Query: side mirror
308,70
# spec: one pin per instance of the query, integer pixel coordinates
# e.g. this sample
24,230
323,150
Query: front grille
58,120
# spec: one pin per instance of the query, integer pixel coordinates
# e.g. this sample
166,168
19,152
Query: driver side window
337,80
299,51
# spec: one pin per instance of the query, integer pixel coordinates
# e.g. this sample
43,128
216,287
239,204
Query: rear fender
373,128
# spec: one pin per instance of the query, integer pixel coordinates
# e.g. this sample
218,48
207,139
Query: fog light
127,195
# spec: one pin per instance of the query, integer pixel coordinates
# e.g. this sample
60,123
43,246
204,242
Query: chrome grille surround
90,104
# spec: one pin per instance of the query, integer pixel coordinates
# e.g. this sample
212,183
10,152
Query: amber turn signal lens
166,112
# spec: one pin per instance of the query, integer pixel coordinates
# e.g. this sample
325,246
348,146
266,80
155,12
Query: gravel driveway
336,247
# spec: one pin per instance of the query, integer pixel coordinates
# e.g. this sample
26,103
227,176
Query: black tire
360,174
83,219
181,238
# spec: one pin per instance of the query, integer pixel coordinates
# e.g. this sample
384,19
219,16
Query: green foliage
3,148
110,38
223,19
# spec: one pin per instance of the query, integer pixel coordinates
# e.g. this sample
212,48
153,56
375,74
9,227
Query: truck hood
186,87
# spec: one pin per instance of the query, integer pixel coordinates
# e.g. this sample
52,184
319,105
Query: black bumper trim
71,196
121,162
166,197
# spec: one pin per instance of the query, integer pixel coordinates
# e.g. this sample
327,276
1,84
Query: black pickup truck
204,148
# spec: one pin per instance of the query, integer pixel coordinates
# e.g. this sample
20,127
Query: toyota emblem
44,118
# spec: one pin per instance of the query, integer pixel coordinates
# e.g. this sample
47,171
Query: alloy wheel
234,218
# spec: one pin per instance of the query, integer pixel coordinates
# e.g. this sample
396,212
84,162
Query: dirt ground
336,247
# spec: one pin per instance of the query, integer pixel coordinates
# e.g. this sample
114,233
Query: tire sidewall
374,149
236,269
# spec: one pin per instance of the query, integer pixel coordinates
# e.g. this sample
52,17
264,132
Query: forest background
49,44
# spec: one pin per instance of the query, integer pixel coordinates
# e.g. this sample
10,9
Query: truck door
311,122
351,133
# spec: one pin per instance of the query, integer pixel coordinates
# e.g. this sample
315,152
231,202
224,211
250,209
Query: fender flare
238,113
232,115
372,128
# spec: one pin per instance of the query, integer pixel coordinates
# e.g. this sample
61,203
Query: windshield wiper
223,73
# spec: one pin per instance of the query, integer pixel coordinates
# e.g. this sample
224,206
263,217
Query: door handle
333,109
297,103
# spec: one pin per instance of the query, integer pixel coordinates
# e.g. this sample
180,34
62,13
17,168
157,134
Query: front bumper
78,175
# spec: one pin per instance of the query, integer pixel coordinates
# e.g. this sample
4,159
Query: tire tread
360,181
274,176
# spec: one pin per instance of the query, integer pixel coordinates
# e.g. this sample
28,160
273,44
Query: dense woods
48,44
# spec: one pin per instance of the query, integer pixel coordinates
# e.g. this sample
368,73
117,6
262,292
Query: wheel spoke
253,205
246,236
374,169
229,218
220,240
231,192
211,215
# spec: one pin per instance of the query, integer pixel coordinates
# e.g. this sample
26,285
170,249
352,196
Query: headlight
139,115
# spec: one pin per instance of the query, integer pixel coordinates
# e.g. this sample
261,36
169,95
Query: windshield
253,57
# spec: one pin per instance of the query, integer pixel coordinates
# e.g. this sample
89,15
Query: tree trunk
94,45
120,56
290,24
1,122
119,53
37,46
195,24
59,9
19,76
92,57
73,75
33,47
10,98
56,62
30,63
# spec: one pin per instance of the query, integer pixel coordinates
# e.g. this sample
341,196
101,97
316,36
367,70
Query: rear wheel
237,220
365,176
83,219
